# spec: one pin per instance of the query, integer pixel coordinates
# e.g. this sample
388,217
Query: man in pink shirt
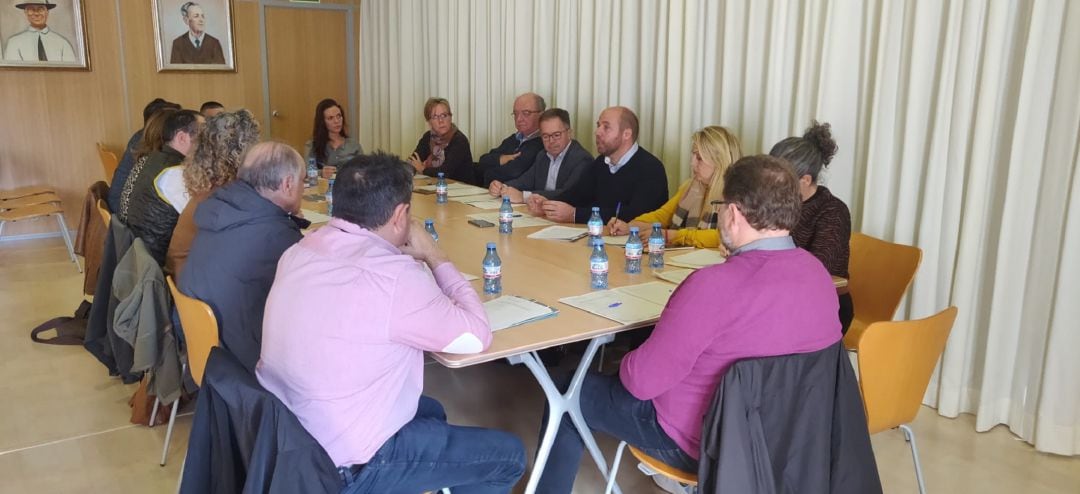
769,298
348,319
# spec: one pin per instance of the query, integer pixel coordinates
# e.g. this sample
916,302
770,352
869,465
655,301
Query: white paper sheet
656,292
676,276
509,311
521,220
697,259
558,232
617,306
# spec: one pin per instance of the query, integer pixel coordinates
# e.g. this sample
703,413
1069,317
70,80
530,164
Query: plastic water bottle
330,195
656,247
312,173
595,224
633,251
598,265
440,189
429,226
492,271
506,216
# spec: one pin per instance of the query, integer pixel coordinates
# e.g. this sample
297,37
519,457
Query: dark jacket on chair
101,340
90,241
244,440
793,423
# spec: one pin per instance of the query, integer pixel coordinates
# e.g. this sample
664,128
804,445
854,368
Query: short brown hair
432,103
628,120
556,114
765,190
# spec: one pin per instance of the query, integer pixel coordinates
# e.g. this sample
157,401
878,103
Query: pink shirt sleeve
431,316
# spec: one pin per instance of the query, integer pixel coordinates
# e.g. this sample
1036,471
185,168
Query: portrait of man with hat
38,43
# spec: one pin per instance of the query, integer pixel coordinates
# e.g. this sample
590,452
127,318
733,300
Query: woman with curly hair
824,227
219,149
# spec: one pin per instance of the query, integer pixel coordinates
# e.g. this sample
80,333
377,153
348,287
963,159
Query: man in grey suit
561,165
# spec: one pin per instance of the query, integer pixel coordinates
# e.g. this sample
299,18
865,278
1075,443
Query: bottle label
440,189
596,229
656,246
506,216
633,252
492,272
598,267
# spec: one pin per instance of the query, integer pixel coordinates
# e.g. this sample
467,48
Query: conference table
540,270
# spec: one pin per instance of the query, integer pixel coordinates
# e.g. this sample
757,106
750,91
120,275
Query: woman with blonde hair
219,149
688,218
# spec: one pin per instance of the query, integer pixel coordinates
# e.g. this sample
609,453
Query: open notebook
508,311
698,258
627,304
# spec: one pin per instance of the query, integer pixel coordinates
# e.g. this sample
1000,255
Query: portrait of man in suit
38,43
195,45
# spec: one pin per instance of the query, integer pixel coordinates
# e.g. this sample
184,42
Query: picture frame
43,34
193,35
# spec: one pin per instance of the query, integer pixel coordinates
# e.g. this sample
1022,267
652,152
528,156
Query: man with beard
770,298
625,178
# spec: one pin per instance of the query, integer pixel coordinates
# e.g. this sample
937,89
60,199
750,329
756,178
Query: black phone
481,223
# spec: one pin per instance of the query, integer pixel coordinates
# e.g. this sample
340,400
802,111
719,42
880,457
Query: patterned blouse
824,229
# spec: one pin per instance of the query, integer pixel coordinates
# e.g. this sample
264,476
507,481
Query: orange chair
896,360
7,195
104,213
661,468
109,161
880,274
201,334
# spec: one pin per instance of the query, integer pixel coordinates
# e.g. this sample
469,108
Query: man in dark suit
560,166
517,152
196,46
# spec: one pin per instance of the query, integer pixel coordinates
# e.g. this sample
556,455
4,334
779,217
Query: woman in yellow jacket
688,218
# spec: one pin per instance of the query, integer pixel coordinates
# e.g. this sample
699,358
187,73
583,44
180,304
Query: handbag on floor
69,330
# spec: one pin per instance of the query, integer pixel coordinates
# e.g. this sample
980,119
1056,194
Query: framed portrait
43,34
194,35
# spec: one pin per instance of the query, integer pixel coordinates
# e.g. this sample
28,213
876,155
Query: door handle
274,113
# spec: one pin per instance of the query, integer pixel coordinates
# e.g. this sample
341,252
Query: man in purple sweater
769,298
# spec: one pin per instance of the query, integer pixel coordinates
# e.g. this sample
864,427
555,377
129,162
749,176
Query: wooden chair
201,334
896,360
7,195
109,161
31,200
38,211
880,274
661,468
104,213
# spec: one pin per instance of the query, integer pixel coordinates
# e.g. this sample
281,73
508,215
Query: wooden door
306,53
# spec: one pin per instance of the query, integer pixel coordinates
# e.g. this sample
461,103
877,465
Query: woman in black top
444,148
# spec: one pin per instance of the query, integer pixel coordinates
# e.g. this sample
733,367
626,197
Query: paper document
509,311
315,217
618,306
450,186
521,220
484,201
462,192
656,292
676,276
619,241
697,259
557,232
469,277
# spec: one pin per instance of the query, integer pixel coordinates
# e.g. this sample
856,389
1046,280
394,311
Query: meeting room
540,246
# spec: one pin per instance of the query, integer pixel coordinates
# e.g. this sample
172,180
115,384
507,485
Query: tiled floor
64,422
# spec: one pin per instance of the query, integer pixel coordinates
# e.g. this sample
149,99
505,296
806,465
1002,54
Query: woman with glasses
824,227
689,217
330,144
443,148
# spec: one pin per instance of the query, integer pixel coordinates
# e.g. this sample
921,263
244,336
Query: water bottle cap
634,230
596,209
441,174
506,198
429,221
656,225
491,245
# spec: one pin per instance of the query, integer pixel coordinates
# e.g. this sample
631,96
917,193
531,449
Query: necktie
197,43
41,51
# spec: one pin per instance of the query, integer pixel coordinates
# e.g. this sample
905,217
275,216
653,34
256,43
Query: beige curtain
957,121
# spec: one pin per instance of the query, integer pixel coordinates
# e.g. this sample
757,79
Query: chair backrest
103,212
896,360
880,273
109,161
200,330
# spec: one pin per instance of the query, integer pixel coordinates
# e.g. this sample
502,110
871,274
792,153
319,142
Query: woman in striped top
824,227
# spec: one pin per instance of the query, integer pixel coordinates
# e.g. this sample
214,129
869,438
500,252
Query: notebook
557,232
625,305
697,259
508,311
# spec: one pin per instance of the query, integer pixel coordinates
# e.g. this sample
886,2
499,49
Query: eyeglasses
441,116
524,113
720,202
554,136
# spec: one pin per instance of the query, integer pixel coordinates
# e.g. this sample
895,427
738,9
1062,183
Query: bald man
517,152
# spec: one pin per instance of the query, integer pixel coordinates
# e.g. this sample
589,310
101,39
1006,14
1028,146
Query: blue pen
617,208
614,305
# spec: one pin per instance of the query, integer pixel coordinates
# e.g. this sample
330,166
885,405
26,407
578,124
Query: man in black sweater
624,181
517,152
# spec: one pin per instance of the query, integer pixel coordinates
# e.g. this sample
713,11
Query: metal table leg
563,403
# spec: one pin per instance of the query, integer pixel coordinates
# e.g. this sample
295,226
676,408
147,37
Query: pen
617,208
614,305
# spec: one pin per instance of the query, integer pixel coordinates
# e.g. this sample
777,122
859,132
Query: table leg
560,404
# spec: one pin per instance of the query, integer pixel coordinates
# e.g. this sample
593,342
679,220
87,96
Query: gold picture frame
43,34
194,35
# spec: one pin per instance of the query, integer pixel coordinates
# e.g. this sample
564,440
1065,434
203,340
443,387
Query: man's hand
495,189
558,211
536,205
506,158
516,196
422,247
618,227
328,171
416,162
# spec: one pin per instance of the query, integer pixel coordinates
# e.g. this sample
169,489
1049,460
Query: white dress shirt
622,161
23,47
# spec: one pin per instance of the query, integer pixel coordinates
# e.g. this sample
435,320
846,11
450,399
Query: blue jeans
608,407
428,454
